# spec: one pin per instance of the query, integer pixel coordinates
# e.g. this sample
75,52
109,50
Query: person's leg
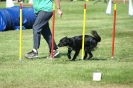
41,20
46,33
48,37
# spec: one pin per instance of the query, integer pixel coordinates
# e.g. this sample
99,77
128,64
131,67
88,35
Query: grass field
62,73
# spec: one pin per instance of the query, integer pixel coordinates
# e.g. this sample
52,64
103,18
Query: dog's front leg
90,55
88,50
75,55
69,53
85,55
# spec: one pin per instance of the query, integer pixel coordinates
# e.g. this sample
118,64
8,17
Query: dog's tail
95,34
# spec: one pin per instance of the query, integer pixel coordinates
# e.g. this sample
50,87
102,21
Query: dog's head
63,42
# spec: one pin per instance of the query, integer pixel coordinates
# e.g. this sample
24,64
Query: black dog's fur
75,43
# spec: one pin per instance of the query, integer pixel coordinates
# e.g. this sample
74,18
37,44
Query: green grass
62,73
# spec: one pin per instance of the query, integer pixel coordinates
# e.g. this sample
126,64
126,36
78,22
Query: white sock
34,50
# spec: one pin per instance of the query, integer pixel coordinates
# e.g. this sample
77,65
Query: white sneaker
55,53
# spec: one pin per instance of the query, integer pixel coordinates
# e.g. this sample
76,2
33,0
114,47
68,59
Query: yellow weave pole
83,32
20,36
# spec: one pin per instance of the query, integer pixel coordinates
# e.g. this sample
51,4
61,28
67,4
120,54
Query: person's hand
60,12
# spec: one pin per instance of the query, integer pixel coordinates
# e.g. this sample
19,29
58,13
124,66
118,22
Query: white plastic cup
97,76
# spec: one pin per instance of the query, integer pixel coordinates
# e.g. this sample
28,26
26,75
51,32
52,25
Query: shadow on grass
97,59
67,59
48,57
94,59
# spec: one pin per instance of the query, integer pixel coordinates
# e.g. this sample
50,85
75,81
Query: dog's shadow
94,59
98,59
67,59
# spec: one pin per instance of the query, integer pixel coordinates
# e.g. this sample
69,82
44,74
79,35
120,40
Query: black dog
75,43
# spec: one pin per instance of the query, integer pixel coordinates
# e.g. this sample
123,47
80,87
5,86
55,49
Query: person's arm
57,2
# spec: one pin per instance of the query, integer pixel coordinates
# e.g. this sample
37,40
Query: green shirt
45,5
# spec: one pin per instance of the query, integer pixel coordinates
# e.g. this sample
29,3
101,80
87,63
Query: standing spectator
43,10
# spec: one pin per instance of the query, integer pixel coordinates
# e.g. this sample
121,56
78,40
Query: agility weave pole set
83,32
113,31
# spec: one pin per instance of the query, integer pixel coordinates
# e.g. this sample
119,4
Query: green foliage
62,73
